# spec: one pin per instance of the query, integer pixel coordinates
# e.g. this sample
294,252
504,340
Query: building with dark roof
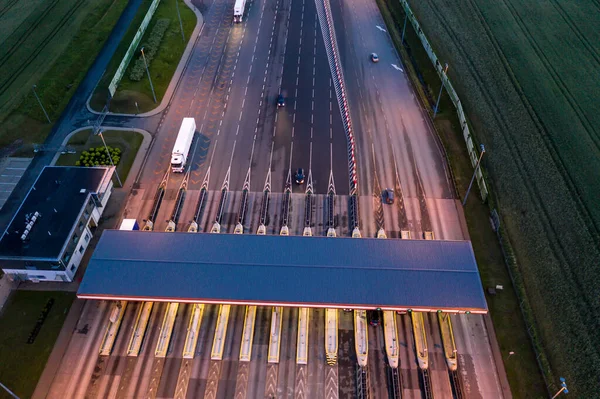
52,228
365,273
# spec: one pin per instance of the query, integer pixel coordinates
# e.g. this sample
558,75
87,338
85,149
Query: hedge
150,49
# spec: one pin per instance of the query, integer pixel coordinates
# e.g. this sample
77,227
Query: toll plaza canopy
275,270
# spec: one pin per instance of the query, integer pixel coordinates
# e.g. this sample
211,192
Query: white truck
238,10
182,145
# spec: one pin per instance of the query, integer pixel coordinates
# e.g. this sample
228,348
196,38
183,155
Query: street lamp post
148,72
563,388
510,354
437,103
404,28
474,173
110,157
180,24
9,391
40,102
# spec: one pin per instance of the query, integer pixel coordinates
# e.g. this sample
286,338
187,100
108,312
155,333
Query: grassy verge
22,363
129,142
22,120
162,67
522,369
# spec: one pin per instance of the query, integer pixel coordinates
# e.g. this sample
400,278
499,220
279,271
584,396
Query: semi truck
238,10
182,146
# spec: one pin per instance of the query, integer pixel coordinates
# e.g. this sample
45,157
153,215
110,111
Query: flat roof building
52,228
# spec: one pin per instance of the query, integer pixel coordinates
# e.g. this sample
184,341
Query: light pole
482,148
509,355
179,16
404,28
110,157
563,387
40,102
9,391
148,72
437,103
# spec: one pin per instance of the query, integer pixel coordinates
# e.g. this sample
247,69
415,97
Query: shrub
150,49
99,157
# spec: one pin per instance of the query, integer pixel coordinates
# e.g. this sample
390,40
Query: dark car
388,196
280,101
374,318
300,176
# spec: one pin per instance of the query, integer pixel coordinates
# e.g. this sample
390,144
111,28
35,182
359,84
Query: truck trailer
182,146
238,10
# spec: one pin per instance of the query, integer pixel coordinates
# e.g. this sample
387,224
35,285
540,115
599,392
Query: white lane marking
380,28
396,67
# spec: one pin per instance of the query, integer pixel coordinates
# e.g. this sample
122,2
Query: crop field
49,43
527,74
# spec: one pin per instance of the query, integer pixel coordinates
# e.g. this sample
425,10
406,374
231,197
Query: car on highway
374,317
388,196
374,57
300,176
280,101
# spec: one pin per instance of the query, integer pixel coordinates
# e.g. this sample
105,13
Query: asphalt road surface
83,373
230,85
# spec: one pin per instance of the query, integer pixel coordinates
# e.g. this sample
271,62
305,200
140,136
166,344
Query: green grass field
162,67
22,363
51,44
129,142
527,74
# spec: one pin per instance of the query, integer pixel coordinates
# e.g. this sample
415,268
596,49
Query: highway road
230,85
84,373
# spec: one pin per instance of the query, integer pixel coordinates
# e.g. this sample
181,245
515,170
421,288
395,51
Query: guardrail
191,339
471,147
248,334
139,328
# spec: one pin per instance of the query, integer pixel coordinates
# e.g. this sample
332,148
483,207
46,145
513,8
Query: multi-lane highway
245,153
220,370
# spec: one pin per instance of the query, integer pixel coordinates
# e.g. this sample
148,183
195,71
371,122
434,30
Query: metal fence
112,87
471,147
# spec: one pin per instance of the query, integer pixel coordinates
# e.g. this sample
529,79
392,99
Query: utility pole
482,148
404,27
110,157
148,72
180,24
9,391
437,103
41,105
